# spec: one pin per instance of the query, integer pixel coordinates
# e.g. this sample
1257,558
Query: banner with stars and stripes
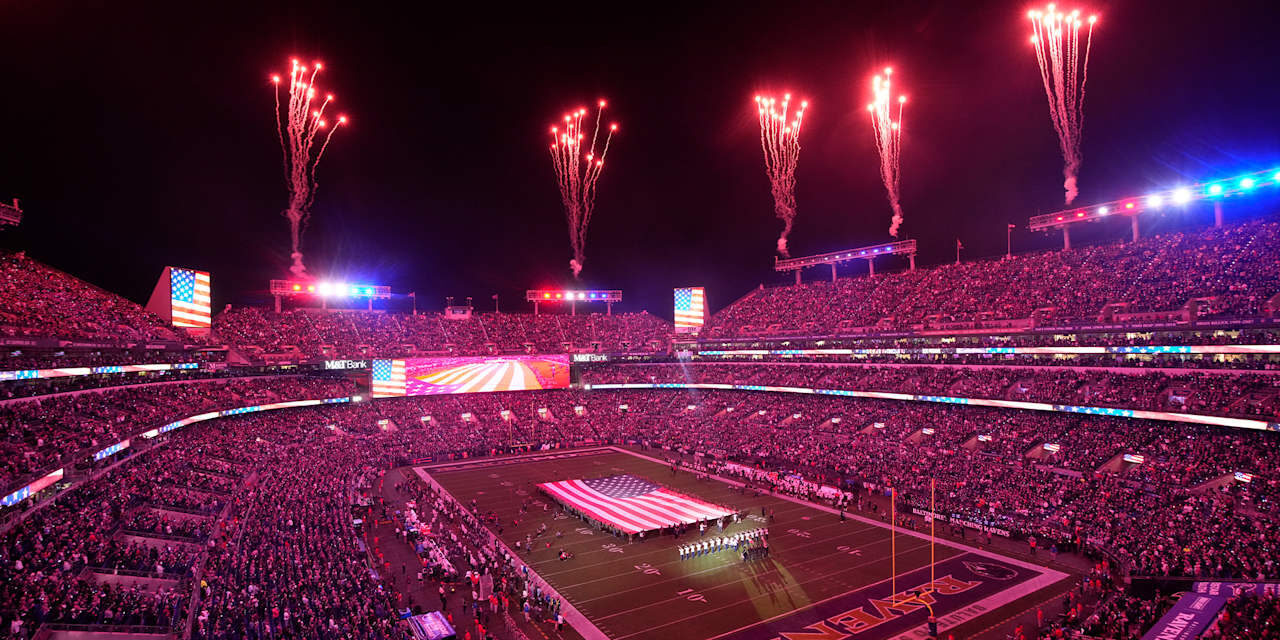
691,309
388,378
632,504
189,298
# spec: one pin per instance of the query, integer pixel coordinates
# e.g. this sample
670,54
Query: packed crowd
1233,267
38,300
1251,617
1126,337
23,357
49,386
286,560
1238,394
1181,511
60,564
43,432
357,334
291,565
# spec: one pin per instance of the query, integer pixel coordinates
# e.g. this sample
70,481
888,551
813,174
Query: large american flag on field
632,504
690,308
388,378
189,302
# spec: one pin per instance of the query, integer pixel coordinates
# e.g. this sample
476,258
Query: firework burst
300,125
1064,71
577,173
780,140
888,132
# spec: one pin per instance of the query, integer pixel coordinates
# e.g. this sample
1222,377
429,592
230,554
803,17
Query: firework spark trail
1056,38
577,175
780,140
888,134
297,127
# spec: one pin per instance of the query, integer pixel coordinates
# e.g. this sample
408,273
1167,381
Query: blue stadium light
1181,195
1104,210
1276,177
1215,190
1247,183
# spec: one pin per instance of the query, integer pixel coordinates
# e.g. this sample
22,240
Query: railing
135,573
186,510
138,533
107,628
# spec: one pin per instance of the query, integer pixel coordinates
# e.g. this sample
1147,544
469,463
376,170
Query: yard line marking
738,602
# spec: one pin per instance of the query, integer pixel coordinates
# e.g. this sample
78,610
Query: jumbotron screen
471,374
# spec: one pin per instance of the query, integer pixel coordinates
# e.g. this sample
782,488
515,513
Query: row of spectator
1233,266
44,432
362,334
1228,393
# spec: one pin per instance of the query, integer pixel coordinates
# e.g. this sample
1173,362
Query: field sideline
824,580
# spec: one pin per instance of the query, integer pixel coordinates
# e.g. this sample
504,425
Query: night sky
139,135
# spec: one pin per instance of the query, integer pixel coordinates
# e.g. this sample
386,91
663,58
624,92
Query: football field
825,579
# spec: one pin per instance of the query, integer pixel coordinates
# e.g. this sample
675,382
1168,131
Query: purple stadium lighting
1132,206
543,296
905,247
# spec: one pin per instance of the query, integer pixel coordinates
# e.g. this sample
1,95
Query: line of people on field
750,544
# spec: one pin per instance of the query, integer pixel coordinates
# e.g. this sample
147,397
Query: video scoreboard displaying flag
468,374
691,309
388,378
183,297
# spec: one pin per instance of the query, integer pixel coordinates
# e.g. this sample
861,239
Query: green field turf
644,590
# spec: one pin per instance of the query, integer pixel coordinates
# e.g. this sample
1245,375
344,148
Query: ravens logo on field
991,570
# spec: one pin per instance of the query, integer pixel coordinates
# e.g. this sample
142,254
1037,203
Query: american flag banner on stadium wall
388,378
632,504
189,298
690,308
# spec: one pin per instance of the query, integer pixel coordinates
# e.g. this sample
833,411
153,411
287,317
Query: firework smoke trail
297,127
577,174
780,140
1056,38
888,134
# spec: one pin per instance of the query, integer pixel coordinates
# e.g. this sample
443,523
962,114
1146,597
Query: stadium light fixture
905,247
1180,195
554,295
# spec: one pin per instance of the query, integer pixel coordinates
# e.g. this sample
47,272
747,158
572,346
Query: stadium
382,399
